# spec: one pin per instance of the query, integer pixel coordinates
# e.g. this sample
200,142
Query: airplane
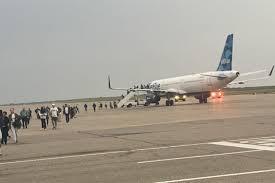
201,86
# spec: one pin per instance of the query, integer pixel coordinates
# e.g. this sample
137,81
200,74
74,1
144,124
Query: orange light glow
213,94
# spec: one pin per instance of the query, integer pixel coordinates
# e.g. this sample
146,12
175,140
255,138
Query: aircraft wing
254,79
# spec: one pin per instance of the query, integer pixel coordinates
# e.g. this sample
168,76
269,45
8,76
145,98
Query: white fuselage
196,83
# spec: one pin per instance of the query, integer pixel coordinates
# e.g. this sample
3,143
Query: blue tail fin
226,59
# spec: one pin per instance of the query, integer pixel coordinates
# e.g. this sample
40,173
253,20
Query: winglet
109,82
271,71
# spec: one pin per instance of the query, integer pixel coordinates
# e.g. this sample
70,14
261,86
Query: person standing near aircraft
54,115
115,105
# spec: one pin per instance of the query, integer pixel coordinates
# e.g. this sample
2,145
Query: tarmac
226,140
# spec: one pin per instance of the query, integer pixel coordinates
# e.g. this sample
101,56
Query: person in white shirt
15,124
67,113
54,115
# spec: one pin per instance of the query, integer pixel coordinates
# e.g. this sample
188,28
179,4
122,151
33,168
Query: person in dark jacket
1,124
4,128
24,117
85,107
43,116
94,107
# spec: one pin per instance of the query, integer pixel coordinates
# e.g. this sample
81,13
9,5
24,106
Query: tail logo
226,59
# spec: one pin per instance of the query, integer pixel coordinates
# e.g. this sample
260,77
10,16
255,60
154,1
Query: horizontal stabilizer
221,76
255,79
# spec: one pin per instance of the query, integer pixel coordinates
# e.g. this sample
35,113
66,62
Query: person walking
67,110
4,128
48,115
86,107
37,113
15,124
30,112
115,105
94,107
100,105
54,115
43,116
111,105
24,117
1,124
29,116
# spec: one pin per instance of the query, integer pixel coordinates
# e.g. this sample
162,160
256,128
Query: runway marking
199,156
119,152
264,143
218,176
60,157
98,154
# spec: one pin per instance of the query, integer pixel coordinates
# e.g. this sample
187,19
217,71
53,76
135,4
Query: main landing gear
169,102
203,100
202,97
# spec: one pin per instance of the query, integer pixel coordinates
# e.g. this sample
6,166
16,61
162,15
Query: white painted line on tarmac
247,146
199,156
168,147
98,154
60,157
218,176
107,153
254,138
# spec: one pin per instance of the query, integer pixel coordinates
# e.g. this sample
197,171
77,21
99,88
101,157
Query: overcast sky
62,49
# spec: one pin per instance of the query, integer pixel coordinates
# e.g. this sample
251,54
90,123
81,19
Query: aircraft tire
167,103
171,102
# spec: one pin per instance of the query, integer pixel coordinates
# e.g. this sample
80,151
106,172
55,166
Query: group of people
55,113
45,113
112,105
12,122
70,112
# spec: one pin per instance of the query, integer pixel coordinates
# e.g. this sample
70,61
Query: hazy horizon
66,49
